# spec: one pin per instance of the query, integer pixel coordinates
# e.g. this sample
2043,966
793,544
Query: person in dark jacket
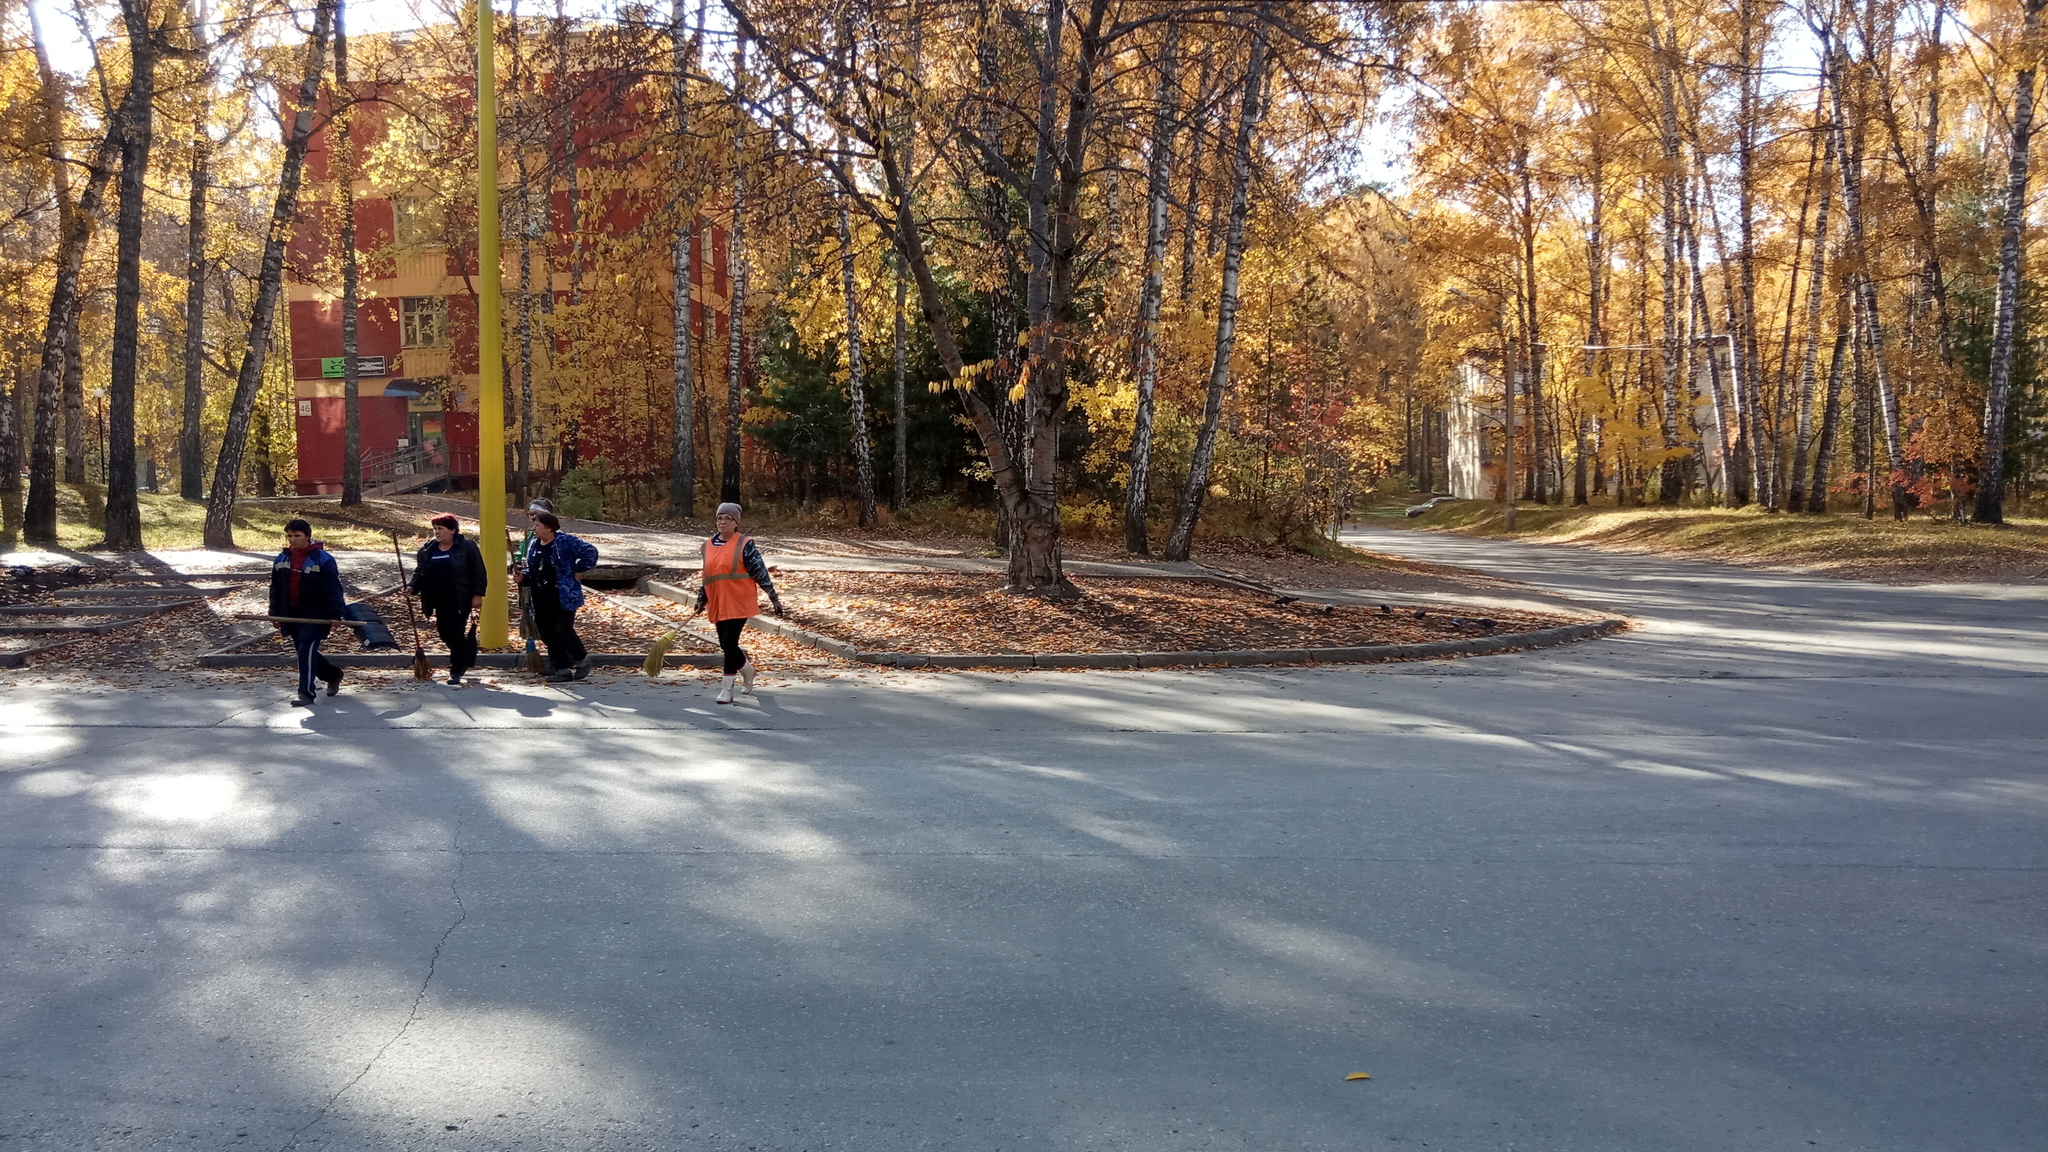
305,583
548,569
449,578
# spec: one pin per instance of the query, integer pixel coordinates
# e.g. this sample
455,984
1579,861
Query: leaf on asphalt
1359,1076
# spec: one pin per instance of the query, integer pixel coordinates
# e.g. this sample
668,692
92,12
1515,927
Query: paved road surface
1766,873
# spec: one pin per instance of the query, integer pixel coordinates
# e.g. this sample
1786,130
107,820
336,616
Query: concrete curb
484,660
1367,654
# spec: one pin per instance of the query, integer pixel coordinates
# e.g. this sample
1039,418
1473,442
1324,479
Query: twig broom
657,655
420,670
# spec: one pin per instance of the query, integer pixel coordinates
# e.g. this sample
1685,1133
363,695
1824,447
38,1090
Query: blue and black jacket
565,558
320,592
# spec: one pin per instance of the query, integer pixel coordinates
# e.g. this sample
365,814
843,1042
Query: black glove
778,607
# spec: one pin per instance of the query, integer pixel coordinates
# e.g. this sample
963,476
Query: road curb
512,660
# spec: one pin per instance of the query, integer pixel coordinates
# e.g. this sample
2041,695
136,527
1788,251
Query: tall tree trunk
124,514
736,263
74,396
2005,322
900,475
60,328
999,231
1137,495
1705,343
682,472
1864,286
1830,419
220,502
1532,334
1182,540
1675,357
1816,292
1192,205
1919,178
11,446
191,450
1596,304
856,390
1863,453
351,367
1747,371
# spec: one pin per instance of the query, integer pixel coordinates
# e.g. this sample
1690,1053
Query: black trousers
452,623
729,640
306,640
557,628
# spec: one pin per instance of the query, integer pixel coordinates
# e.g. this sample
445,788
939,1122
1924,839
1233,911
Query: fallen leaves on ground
953,614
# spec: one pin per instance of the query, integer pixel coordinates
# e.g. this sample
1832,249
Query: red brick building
417,309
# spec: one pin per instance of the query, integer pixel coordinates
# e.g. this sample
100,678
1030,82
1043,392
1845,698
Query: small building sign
336,367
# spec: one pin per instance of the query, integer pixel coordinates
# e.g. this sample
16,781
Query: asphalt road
1766,872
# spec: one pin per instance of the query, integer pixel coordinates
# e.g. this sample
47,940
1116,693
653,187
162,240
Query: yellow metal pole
490,381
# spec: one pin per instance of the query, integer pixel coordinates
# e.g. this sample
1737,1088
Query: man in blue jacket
548,569
305,583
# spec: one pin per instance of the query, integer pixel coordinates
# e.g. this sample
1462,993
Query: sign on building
336,367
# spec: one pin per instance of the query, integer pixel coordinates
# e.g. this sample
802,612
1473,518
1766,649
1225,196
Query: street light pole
490,402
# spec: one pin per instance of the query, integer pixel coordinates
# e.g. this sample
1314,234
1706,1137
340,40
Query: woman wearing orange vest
734,578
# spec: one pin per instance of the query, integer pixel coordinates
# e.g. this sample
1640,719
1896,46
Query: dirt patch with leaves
961,615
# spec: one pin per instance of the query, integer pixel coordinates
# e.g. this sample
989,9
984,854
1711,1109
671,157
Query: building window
413,222
422,321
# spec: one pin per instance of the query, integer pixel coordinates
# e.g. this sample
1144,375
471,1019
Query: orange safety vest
729,593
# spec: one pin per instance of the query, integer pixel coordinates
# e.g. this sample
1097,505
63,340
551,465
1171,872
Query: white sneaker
747,678
725,690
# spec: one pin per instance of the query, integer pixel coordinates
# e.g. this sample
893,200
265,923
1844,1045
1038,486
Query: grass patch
172,522
1921,550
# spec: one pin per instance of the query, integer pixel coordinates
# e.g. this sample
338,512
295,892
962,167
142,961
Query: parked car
1415,510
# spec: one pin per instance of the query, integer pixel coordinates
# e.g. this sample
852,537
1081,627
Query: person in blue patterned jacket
305,583
548,569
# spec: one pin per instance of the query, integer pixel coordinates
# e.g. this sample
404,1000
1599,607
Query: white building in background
1472,429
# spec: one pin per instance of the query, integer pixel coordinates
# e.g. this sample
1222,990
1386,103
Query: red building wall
384,422
316,333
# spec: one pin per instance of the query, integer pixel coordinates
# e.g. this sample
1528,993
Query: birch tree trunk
856,398
1596,258
1182,540
682,472
1870,323
351,379
1830,420
10,445
124,515
1675,357
220,503
1990,507
1137,496
1748,376
191,450
736,265
900,474
60,328
1532,333
1192,203
1816,292
74,394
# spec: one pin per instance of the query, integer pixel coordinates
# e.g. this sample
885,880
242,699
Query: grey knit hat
728,509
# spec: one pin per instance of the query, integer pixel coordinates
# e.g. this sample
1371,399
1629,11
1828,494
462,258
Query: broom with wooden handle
420,670
657,655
